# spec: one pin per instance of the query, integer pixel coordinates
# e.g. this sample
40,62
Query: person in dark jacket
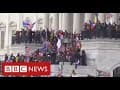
83,58
23,36
18,37
22,57
109,28
77,58
98,29
12,57
30,36
6,57
113,30
72,58
43,34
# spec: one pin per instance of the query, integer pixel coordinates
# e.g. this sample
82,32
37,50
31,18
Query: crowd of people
73,57
101,30
39,36
50,52
53,48
91,30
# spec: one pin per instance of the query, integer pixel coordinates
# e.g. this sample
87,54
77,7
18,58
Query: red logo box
26,69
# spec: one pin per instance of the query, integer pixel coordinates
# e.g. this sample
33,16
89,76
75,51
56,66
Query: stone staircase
102,54
101,40
81,71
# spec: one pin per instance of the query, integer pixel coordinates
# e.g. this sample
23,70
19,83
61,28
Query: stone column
10,29
67,22
46,21
7,34
88,16
115,17
101,17
10,37
37,17
0,40
55,24
20,25
60,21
76,22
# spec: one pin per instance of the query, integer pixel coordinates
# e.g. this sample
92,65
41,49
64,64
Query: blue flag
25,24
28,25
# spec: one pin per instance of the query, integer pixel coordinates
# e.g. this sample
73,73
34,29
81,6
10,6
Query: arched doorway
116,72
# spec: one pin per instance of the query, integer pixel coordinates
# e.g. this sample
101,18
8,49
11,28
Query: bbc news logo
15,68
27,69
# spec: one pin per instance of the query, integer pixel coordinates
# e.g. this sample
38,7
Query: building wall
106,54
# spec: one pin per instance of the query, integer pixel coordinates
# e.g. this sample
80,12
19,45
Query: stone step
54,68
20,48
101,40
23,46
81,70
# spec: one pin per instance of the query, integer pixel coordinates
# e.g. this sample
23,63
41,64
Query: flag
25,24
90,22
28,25
59,43
95,19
